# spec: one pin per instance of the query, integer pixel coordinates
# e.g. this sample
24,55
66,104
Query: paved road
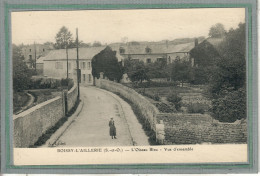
91,128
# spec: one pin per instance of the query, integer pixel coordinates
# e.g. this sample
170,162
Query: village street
91,127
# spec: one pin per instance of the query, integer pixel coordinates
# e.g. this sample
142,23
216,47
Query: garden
172,98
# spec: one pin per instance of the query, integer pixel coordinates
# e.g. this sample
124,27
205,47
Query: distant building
149,53
206,52
33,52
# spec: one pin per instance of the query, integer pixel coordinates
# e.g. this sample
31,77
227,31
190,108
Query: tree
96,44
228,79
63,39
107,62
136,70
21,73
217,31
180,71
158,69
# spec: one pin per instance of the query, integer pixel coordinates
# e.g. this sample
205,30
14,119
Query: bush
197,108
230,106
176,100
165,108
154,96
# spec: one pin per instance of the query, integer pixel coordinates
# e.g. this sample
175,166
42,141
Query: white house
55,63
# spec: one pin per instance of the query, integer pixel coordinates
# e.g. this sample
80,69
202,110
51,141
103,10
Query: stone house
149,53
206,52
33,52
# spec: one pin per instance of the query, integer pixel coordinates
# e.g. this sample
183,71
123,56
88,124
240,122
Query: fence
34,122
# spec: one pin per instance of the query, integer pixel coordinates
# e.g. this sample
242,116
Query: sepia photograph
130,81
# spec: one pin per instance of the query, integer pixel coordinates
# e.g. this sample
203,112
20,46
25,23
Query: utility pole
77,40
67,55
35,58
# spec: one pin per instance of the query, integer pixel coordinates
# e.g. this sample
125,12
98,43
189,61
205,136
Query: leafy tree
107,62
96,44
217,30
230,70
158,69
180,71
64,39
228,79
21,73
136,70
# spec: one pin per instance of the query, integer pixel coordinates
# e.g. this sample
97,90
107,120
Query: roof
84,53
158,48
214,41
40,60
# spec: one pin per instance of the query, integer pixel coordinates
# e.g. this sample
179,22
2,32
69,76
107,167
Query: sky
109,26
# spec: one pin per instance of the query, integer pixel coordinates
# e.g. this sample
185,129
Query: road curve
91,128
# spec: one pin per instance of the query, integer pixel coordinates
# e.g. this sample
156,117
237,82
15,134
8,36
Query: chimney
196,42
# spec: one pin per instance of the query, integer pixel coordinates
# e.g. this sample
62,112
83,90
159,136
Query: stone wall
34,122
201,128
147,110
72,96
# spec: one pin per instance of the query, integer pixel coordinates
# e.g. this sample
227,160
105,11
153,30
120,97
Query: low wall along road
34,122
180,128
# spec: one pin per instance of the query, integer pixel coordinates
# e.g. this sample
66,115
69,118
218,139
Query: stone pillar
160,133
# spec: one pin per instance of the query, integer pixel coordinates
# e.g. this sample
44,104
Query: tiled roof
158,48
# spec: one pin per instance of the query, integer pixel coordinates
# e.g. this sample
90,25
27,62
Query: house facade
33,52
55,63
150,53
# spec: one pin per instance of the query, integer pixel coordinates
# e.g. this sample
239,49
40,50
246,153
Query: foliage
154,96
49,83
64,39
230,106
107,62
217,30
96,44
165,108
228,79
136,70
21,73
158,69
230,70
197,108
180,70
175,99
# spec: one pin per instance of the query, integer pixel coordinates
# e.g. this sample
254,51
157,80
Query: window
148,50
58,65
30,57
159,59
89,65
30,50
83,65
148,60
121,50
84,77
43,49
89,77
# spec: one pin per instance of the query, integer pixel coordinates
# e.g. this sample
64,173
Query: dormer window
122,50
148,50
